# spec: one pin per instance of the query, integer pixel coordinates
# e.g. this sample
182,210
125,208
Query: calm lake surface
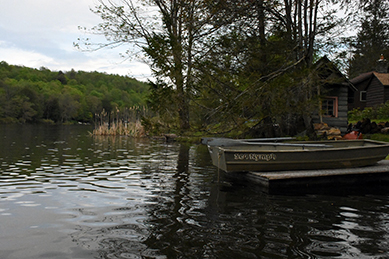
66,194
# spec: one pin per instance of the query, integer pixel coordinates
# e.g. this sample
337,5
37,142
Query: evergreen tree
372,38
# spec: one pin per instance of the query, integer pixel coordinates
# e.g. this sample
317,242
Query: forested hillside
36,95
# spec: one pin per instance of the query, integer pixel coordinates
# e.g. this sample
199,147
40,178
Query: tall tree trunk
300,29
174,23
261,28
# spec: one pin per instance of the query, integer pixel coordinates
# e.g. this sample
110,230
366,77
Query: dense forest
30,95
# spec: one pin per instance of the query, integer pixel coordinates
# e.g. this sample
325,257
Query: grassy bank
378,136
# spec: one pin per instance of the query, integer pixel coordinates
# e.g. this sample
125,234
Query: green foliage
237,92
34,95
222,66
380,113
372,37
161,101
379,137
383,111
357,115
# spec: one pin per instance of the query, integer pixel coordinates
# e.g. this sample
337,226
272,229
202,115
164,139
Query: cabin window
363,96
330,106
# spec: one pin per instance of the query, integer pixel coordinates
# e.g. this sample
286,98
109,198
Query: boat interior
304,145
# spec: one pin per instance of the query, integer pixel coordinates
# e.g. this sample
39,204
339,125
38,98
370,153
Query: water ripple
70,195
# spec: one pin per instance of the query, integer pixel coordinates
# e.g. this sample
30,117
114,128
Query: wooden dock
328,177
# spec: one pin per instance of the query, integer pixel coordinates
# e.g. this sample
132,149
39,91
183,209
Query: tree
68,106
32,105
30,95
372,38
8,96
52,110
260,66
27,111
224,59
62,78
171,39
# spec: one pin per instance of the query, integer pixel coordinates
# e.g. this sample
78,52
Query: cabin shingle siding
357,95
386,93
375,93
376,86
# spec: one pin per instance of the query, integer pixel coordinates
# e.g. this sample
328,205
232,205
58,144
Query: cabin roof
331,71
382,77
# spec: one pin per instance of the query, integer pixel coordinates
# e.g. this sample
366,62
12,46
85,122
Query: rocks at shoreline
367,127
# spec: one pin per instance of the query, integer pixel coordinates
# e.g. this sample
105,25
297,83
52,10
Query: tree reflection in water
188,213
85,197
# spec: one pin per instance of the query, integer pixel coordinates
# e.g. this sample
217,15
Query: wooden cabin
372,87
334,90
373,90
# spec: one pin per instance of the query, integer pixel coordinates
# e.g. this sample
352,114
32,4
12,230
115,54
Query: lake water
66,194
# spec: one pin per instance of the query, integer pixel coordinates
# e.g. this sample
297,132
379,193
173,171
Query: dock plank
267,178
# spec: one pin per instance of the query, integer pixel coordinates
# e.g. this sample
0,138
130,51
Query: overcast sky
36,33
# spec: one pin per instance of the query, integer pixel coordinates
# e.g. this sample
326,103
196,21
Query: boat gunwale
296,162
244,148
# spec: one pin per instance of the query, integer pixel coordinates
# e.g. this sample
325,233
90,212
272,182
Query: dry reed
120,123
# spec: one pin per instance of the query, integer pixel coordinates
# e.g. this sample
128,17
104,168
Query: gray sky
36,33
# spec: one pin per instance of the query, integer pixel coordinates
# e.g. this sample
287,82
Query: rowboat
281,154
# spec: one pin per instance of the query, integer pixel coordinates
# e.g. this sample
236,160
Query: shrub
380,112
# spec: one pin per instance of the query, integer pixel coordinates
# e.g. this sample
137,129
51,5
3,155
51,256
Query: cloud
41,33
89,62
23,57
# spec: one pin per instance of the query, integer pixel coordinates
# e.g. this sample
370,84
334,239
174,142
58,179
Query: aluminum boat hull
262,157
